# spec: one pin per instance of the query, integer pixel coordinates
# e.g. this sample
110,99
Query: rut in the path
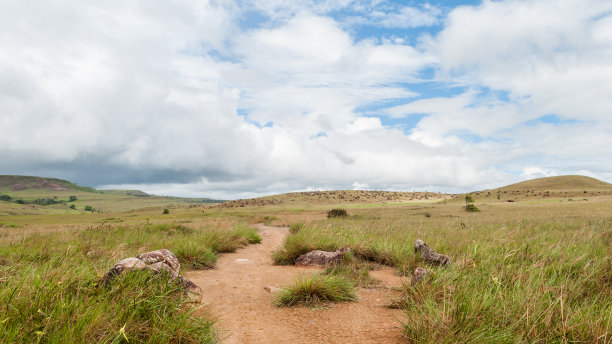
234,292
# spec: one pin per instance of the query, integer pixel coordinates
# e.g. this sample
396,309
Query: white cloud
180,99
407,17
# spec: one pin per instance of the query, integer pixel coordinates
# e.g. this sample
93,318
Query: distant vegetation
32,195
337,212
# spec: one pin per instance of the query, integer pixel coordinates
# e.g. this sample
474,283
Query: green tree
89,208
72,198
469,199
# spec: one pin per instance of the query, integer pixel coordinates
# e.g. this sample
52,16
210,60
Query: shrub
337,212
72,198
72,206
166,211
471,208
316,289
469,199
5,198
88,208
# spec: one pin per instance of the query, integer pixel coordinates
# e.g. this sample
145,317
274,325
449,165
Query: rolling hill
572,186
28,195
337,197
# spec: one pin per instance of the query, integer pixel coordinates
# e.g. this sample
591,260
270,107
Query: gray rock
321,258
157,262
163,256
420,275
429,255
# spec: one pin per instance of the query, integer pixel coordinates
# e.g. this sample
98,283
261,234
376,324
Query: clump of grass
194,256
294,228
246,232
268,219
299,243
471,208
316,289
355,270
337,212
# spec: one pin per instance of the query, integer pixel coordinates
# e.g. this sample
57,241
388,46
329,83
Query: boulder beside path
322,258
157,262
429,255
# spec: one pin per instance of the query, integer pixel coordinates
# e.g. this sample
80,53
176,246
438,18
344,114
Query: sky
241,98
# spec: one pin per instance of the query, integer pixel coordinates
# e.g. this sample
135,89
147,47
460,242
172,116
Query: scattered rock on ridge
429,255
322,258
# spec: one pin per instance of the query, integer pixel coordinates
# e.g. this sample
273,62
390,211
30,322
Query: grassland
536,270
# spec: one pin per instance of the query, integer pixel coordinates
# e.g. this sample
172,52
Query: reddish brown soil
234,292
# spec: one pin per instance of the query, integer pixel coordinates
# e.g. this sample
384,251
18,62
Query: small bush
471,208
72,198
5,198
469,199
88,208
166,211
337,212
316,289
72,206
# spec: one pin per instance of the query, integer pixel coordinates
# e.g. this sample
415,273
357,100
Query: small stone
272,290
420,274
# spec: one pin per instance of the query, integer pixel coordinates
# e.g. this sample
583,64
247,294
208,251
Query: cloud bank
236,99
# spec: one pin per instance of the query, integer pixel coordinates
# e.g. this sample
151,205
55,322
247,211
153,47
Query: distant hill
26,195
22,183
336,197
572,186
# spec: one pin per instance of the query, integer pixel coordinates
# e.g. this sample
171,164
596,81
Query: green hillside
26,195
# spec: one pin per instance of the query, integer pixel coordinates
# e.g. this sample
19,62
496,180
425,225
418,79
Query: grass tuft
316,289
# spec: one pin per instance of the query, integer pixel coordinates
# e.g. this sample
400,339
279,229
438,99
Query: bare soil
234,292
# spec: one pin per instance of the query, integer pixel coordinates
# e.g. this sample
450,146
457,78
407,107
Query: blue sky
234,99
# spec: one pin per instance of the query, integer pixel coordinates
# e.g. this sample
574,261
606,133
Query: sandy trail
234,292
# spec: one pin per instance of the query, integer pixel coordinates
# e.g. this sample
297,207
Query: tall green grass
539,278
49,290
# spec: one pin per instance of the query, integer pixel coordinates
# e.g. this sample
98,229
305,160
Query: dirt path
234,292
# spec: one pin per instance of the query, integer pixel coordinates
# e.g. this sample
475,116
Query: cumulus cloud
183,98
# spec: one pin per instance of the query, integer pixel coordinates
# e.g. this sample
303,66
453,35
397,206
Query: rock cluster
157,262
429,255
322,258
